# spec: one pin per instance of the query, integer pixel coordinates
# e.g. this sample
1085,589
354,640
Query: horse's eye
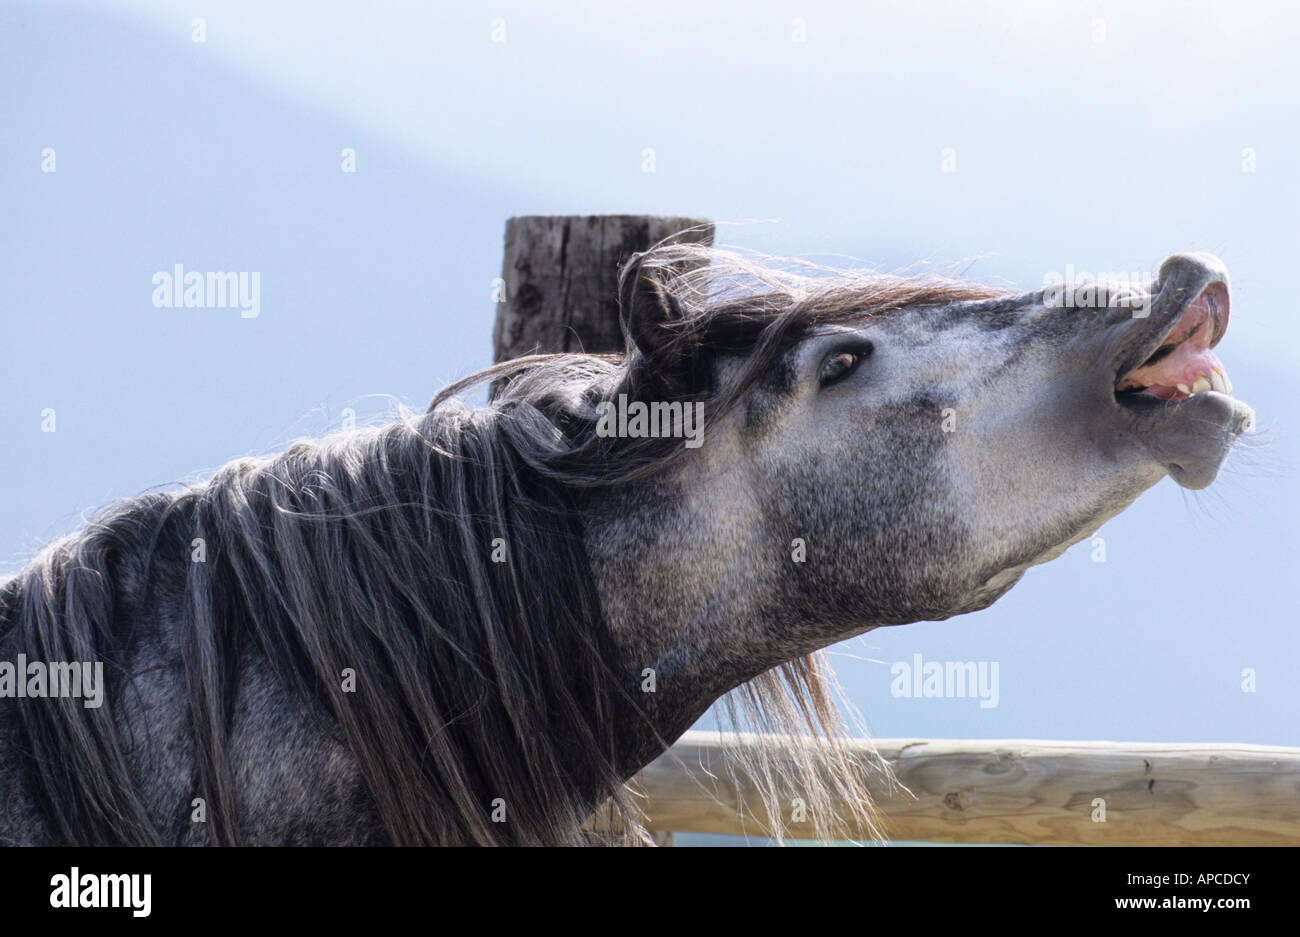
841,364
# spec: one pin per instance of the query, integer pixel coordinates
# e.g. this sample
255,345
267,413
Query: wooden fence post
560,278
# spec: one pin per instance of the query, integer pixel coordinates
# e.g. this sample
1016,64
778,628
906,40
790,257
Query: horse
474,625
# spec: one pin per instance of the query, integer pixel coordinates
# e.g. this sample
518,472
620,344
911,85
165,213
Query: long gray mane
439,560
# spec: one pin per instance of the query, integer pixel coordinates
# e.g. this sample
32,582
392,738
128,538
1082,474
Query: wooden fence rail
1019,791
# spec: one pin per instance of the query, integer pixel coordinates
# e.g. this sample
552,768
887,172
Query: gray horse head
897,450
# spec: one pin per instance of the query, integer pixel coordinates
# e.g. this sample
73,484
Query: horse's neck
683,598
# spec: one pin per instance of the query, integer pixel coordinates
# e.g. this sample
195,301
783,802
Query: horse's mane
378,550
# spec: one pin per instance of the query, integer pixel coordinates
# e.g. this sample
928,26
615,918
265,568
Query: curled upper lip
1179,408
1173,295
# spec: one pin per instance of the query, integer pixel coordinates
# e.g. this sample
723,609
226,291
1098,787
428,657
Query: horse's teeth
1217,382
1201,384
1184,388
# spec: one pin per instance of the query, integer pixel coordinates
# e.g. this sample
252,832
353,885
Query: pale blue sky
225,155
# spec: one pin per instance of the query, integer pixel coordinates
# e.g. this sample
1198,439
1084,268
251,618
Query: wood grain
1021,791
561,278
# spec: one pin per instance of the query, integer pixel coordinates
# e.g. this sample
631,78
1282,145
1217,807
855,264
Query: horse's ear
650,313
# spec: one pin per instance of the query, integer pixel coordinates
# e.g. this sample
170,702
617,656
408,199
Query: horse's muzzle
1170,387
